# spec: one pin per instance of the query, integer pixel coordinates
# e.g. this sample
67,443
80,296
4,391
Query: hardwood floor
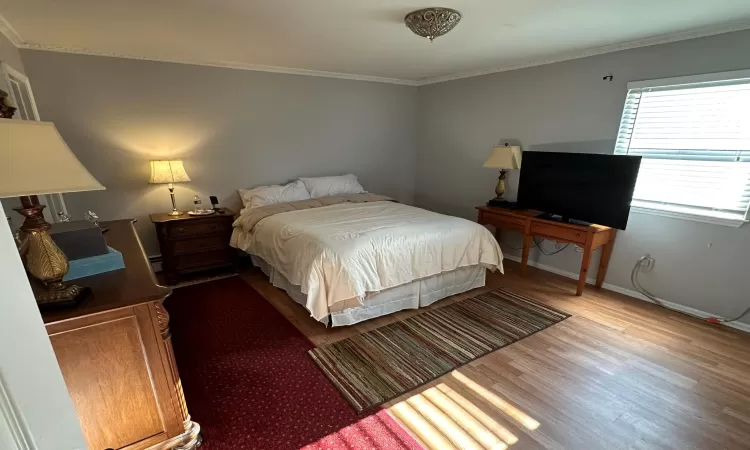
620,373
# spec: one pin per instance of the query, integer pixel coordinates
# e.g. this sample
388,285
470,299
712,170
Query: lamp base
174,203
44,261
60,296
502,203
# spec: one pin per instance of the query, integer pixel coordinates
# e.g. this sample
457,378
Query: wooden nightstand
192,244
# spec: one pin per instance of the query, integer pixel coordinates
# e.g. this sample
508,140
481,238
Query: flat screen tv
580,186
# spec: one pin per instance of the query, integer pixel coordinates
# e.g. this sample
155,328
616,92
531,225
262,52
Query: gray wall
567,106
240,129
233,128
9,54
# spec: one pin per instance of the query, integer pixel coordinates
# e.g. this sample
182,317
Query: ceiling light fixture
432,22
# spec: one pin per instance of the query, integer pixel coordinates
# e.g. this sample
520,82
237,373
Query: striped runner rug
382,364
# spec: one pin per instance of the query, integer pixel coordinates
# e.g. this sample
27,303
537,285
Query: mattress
348,250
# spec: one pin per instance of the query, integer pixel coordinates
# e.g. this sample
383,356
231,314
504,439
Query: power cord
539,244
643,291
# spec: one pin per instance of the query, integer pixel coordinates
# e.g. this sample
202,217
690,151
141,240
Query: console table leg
604,261
525,255
584,269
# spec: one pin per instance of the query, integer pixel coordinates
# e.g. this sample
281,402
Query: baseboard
629,292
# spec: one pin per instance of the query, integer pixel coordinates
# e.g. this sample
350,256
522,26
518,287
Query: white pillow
271,195
339,185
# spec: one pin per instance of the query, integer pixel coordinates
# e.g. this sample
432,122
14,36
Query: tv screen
580,186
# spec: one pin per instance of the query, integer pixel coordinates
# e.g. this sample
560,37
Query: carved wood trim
191,439
162,316
179,393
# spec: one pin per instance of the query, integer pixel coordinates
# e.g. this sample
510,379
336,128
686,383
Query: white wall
34,402
568,107
9,54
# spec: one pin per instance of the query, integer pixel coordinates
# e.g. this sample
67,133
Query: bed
356,257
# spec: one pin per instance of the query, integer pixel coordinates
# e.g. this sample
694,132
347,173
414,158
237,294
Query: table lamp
36,161
169,172
504,157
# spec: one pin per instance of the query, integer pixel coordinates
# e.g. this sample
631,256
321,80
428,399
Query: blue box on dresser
94,265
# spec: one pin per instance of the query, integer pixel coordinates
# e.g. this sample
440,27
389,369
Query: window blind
694,137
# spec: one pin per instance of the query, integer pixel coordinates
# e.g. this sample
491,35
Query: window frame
675,212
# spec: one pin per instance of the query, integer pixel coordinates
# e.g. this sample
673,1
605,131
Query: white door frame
9,72
13,433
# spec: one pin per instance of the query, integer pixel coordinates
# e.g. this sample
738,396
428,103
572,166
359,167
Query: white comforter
339,252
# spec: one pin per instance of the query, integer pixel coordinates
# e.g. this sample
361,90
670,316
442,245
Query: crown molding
647,42
222,64
12,35
9,32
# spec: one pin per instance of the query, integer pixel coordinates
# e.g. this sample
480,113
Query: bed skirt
417,294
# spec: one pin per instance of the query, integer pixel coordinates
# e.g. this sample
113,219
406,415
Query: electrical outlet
578,249
648,262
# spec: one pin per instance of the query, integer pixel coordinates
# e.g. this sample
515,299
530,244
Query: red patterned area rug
249,382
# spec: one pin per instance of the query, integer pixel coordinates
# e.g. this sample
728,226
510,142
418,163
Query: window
694,136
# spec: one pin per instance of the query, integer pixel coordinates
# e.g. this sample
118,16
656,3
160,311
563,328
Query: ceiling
364,39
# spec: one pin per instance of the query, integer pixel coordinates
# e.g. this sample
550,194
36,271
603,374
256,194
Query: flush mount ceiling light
432,22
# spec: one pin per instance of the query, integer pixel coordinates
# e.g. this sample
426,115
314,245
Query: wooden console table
589,237
115,353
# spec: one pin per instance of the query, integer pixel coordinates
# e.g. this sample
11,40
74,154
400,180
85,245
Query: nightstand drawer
197,228
557,232
504,222
192,244
201,244
199,261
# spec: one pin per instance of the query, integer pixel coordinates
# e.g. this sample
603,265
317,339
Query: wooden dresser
115,353
190,244
588,237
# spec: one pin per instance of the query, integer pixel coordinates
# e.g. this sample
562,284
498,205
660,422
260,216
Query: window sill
695,217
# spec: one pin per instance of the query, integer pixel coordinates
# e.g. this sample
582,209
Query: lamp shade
504,157
35,160
168,172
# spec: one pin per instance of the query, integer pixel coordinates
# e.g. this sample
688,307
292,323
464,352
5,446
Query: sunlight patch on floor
465,420
488,422
431,437
447,425
442,418
496,401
